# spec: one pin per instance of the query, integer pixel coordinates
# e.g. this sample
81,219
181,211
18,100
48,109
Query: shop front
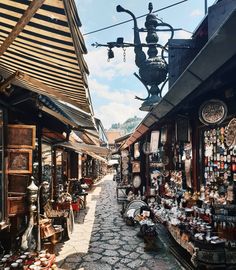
188,175
42,72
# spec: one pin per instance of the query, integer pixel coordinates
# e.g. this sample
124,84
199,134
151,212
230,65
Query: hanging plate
125,159
230,134
136,181
125,172
124,166
212,112
124,153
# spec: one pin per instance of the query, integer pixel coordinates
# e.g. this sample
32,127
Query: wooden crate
17,183
16,205
21,136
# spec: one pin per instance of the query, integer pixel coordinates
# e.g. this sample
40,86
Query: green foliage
128,126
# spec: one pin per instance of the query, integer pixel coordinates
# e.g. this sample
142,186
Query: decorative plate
124,153
230,133
152,199
125,159
125,172
125,166
136,181
165,160
212,112
136,204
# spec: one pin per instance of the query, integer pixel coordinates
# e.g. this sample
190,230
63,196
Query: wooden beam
59,116
23,21
8,81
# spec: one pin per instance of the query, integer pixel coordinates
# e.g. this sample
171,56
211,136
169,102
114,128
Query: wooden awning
85,148
95,156
41,40
82,120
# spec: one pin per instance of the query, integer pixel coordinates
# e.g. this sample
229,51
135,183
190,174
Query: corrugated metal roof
42,40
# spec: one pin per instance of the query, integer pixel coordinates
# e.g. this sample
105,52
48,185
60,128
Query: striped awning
41,49
83,120
86,148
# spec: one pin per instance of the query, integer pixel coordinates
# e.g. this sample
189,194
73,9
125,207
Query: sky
112,85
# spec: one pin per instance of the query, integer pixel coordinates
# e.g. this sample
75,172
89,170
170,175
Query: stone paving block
110,260
135,264
120,266
123,253
110,253
95,266
75,258
92,257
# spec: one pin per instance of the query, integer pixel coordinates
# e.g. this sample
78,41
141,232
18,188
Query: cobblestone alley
102,240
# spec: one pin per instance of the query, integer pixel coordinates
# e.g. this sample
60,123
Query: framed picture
164,134
136,150
182,129
21,136
154,143
19,161
135,166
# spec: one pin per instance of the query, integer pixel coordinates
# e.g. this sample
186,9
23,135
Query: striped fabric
47,49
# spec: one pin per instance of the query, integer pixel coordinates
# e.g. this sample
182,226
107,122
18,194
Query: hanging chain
108,59
124,54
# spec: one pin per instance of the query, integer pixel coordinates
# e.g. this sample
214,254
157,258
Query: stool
76,207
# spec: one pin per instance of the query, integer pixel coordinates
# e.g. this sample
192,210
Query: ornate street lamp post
153,69
28,242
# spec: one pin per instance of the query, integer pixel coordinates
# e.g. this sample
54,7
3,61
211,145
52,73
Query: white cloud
106,93
196,13
114,112
119,104
114,19
183,34
99,67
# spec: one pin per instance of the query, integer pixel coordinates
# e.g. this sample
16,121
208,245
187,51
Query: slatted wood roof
42,40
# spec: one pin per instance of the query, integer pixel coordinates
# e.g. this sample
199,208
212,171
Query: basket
57,210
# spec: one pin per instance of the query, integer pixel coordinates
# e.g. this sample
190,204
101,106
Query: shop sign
212,112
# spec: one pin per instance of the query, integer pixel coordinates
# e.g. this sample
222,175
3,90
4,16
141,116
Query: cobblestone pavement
102,241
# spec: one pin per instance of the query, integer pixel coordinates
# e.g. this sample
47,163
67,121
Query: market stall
189,179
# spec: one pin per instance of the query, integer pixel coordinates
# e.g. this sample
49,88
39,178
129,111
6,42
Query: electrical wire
114,25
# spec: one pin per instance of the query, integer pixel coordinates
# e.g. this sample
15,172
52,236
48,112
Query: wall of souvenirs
187,176
200,215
